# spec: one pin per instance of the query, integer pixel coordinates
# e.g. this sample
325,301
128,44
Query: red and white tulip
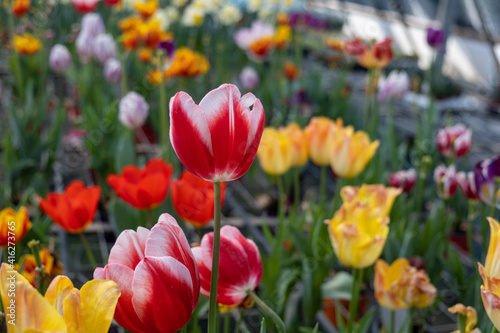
446,181
240,267
454,141
157,275
467,184
216,140
403,179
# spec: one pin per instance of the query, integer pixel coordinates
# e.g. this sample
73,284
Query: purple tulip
113,71
168,46
92,25
59,58
435,37
487,177
84,46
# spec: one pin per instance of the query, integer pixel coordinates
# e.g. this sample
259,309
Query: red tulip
74,209
112,2
193,199
157,275
240,267
85,6
403,179
216,140
143,189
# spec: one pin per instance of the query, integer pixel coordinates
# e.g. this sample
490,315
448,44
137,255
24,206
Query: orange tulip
74,209
187,63
291,70
386,283
193,199
146,9
50,264
26,44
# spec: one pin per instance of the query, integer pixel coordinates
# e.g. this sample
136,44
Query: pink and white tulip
104,48
249,78
446,181
133,110
403,179
216,140
157,275
454,141
240,267
113,71
59,58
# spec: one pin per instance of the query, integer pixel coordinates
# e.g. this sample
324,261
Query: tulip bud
104,48
113,71
403,179
446,181
133,110
249,78
60,58
435,37
395,85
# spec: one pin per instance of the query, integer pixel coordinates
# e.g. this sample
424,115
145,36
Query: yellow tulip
49,262
415,288
356,235
282,36
299,144
26,44
350,152
490,272
377,196
147,8
275,152
319,134
470,315
13,226
386,283
63,309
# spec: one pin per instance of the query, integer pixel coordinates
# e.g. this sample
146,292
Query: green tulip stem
212,312
164,117
461,323
296,191
90,255
280,325
322,184
410,322
366,122
357,275
470,224
494,330
393,321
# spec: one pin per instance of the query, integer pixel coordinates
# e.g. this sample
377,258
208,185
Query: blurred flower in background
230,14
133,110
113,71
487,177
403,179
467,184
394,86
59,58
320,133
292,72
51,266
351,151
275,152
386,283
470,315
193,199
436,38
73,210
186,63
454,141
20,7
446,181
146,8
375,56
26,44
249,78
300,147
144,188
257,41
13,225
84,6
104,48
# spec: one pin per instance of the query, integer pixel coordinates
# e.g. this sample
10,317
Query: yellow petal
32,311
58,290
99,299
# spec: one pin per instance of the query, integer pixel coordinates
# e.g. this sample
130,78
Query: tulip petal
129,247
58,290
190,136
125,314
98,303
167,239
152,298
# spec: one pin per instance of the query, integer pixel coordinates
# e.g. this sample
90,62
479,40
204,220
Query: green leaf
263,326
364,325
339,287
123,216
125,151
